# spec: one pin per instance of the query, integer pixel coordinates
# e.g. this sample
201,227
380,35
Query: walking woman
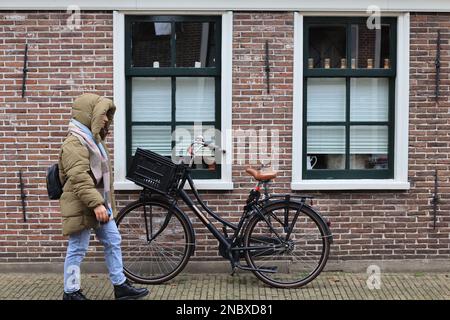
88,201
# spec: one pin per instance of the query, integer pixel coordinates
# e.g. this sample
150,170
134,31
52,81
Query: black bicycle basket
153,171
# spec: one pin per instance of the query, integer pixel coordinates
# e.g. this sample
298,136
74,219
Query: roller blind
326,99
195,99
151,99
155,138
368,140
369,99
326,140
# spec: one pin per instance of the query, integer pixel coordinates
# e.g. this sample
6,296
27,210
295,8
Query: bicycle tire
311,223
179,238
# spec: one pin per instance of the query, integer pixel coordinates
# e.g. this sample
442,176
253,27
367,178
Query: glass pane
151,99
326,147
151,44
155,138
185,135
327,46
369,147
370,47
369,99
326,99
195,99
195,44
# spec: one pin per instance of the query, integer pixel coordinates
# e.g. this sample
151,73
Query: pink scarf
98,160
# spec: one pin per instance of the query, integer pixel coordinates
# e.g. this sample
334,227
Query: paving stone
328,286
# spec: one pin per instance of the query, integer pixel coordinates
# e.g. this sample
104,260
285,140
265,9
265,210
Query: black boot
126,291
77,295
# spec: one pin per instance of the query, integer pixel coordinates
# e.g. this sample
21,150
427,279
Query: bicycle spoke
133,261
160,265
155,258
164,256
162,243
169,259
153,247
304,251
164,252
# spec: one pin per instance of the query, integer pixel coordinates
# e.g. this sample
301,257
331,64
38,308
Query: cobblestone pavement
328,286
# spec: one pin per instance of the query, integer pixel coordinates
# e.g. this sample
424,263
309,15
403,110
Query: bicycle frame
204,219
230,244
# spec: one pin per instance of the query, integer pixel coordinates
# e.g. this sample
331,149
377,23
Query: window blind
151,99
368,140
155,138
195,99
369,99
326,99
326,140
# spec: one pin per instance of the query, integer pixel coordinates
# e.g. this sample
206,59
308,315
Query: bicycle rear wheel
287,258
155,246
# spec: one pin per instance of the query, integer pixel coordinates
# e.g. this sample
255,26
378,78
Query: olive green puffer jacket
80,195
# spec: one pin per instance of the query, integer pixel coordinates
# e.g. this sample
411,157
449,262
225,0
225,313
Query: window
173,82
349,74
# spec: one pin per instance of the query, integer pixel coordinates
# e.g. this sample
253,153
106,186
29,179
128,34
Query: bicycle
283,240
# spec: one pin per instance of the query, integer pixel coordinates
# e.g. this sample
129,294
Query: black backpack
54,185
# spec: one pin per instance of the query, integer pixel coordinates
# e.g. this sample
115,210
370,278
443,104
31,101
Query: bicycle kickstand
233,264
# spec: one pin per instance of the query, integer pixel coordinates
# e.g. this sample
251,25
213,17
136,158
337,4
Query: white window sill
361,184
211,184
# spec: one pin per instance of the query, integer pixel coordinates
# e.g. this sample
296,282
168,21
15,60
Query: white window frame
400,180
120,182
238,5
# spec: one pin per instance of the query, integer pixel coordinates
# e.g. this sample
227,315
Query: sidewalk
334,286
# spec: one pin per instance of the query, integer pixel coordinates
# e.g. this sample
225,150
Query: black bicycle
283,240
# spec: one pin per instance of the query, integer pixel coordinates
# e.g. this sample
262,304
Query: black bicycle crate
153,171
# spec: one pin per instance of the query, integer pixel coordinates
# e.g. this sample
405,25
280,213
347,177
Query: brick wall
428,140
64,64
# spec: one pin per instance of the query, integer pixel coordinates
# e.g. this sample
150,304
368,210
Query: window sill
210,184
361,184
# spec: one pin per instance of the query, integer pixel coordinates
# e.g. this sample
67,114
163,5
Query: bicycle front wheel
288,244
157,241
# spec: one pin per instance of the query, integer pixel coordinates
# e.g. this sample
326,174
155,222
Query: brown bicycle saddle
261,175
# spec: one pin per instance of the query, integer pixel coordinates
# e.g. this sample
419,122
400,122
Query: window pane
326,147
370,47
326,99
369,99
155,138
195,99
369,147
151,44
151,99
195,45
327,46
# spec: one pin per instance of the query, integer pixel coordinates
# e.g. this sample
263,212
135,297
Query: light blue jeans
109,236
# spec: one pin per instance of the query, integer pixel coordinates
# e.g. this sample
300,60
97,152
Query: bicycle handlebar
193,149
213,147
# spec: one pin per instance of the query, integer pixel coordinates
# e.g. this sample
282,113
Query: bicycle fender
322,220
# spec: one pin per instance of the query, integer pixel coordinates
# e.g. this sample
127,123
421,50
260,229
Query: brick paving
328,286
